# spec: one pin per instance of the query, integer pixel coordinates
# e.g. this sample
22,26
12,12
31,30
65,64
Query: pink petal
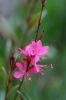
33,44
29,49
39,43
17,74
35,69
23,51
20,67
43,50
35,59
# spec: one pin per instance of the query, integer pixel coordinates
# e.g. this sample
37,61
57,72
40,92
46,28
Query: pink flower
25,70
33,53
35,50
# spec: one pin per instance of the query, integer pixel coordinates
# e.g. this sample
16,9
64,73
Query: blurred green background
18,23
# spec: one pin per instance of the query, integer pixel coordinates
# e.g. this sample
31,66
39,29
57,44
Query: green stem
8,85
19,88
39,22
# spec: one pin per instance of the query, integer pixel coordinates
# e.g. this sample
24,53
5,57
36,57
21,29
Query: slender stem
19,88
8,84
40,38
39,21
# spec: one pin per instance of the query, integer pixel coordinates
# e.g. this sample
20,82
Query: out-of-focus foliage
16,20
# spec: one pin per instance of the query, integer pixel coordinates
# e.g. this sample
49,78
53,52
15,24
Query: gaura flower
25,69
35,50
33,53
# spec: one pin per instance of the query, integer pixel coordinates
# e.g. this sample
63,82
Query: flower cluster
33,53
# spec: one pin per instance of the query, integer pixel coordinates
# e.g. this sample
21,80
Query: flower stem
19,88
39,21
8,84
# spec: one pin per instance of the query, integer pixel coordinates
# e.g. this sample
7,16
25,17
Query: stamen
51,66
44,66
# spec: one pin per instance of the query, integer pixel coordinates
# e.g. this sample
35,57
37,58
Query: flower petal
35,59
17,74
37,67
43,50
29,49
34,69
39,43
23,51
19,66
